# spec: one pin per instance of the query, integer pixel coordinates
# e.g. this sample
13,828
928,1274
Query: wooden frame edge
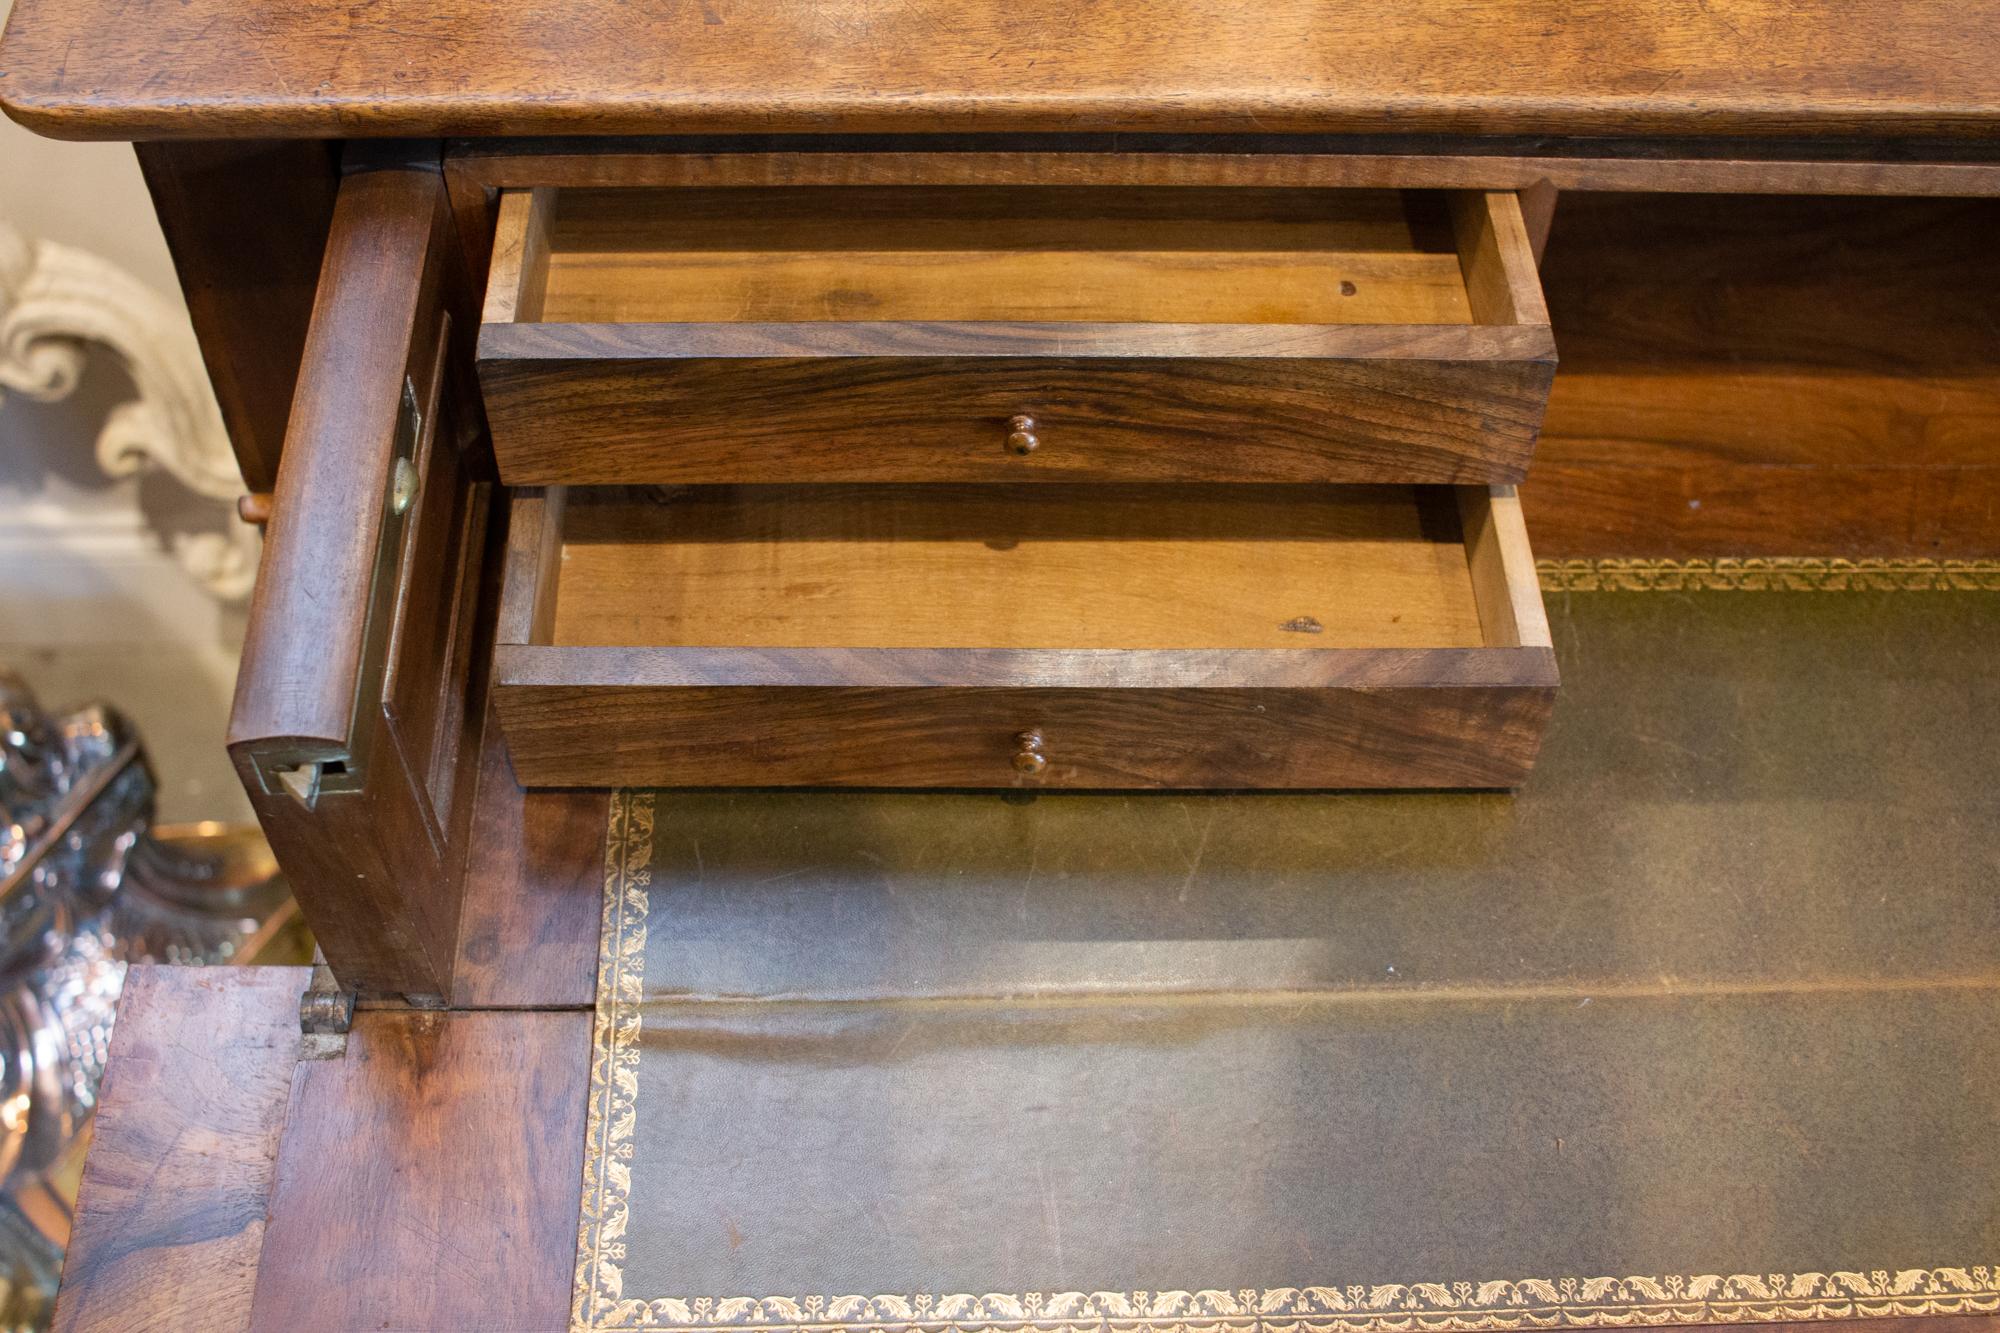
1505,582
533,563
518,274
743,160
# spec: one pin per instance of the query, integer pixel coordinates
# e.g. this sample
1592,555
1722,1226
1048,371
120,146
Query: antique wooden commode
919,395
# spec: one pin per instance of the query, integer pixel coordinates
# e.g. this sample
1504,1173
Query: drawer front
1263,336
1116,738
843,636
600,406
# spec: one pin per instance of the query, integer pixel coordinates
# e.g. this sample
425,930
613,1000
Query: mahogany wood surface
1760,376
170,1218
430,1178
287,68
249,273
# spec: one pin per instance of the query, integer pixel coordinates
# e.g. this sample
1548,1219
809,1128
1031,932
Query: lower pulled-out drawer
1039,636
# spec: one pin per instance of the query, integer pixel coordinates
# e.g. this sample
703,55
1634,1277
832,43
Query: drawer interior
1027,567
993,254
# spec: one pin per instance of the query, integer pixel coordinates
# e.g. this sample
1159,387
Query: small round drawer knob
1028,756
1021,438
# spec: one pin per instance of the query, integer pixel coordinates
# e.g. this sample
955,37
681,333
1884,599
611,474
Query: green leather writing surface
1701,1023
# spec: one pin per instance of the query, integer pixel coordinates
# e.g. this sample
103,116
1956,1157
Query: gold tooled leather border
1774,574
600,1303
614,1065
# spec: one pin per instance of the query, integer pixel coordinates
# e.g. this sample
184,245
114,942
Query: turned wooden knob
1021,437
254,508
1028,756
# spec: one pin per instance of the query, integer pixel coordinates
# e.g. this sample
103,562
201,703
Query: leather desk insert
1701,1026
1010,334
1035,635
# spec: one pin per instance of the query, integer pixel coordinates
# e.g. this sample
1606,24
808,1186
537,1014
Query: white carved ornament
55,300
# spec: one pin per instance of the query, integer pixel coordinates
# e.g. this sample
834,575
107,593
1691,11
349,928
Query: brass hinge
326,1014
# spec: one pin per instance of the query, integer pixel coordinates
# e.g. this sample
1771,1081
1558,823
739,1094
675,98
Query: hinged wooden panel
357,703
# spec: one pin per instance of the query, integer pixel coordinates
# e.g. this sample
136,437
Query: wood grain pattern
986,281
280,68
1025,669
1319,736
1772,377
604,410
1538,214
170,1217
1723,509
993,342
249,274
431,1177
1244,161
1014,567
475,208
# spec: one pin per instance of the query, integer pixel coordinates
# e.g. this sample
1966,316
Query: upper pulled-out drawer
828,334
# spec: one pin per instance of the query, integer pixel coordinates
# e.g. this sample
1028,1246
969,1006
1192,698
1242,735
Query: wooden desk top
1893,69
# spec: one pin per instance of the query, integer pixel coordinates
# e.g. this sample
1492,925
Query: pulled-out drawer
826,334
1104,636
1164,592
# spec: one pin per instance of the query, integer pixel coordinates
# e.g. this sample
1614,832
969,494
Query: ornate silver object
87,886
